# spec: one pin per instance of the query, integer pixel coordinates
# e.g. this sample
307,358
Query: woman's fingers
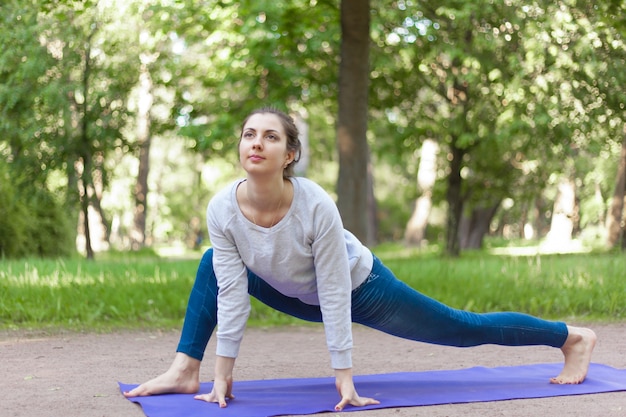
341,404
369,401
204,397
215,398
357,402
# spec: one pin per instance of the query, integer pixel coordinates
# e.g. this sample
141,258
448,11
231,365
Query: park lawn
125,291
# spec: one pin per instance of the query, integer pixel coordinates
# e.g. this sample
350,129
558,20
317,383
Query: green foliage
49,230
13,217
32,221
527,90
130,290
27,92
509,84
247,55
392,195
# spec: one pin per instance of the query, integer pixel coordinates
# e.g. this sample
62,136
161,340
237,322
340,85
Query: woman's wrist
224,367
343,373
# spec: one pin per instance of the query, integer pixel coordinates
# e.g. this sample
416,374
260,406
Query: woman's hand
223,383
222,390
347,392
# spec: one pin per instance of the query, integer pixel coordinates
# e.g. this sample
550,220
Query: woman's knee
207,257
205,268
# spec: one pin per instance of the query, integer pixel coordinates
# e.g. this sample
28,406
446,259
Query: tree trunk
354,185
563,214
144,139
84,204
455,200
96,201
475,227
371,237
426,175
614,218
540,221
72,199
85,150
302,166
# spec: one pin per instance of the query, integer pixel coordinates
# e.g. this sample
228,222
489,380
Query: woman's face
263,145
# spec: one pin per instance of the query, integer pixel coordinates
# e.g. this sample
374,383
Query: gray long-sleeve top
307,255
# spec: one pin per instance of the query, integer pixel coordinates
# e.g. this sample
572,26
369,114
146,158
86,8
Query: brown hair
291,130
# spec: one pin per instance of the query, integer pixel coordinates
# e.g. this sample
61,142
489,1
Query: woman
281,239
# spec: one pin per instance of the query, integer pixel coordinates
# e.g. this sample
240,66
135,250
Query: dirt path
72,374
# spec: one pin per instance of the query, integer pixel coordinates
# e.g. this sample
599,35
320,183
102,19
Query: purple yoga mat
268,398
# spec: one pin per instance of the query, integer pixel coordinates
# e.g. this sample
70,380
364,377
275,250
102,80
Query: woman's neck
264,195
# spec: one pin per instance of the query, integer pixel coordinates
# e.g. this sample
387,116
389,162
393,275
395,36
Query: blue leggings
382,302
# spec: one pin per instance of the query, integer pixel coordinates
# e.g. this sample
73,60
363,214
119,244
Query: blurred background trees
119,119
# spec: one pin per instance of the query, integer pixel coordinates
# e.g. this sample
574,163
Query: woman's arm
233,302
333,280
334,286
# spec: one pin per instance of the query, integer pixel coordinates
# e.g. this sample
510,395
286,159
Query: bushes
49,232
32,221
12,218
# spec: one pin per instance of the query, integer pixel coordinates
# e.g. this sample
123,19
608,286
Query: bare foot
183,377
577,351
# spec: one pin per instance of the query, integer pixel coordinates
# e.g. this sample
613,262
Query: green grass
124,291
77,294
572,286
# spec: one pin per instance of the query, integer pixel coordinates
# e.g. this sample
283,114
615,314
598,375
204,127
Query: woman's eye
272,137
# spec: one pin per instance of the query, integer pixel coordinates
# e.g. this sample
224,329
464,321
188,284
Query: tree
503,88
426,176
611,35
585,41
29,93
615,217
144,141
354,183
154,51
32,95
449,83
517,96
91,81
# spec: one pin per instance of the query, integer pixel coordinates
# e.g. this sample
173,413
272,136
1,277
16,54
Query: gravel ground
72,374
